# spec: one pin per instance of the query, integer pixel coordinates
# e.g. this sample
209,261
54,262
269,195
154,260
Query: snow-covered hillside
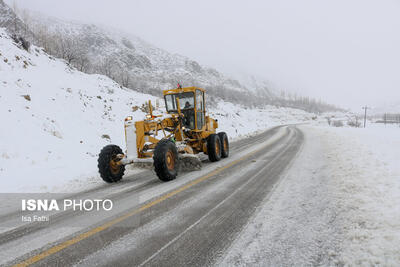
56,119
139,65
148,67
9,20
55,116
124,57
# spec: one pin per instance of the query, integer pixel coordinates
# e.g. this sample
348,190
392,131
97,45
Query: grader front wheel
109,169
214,148
166,160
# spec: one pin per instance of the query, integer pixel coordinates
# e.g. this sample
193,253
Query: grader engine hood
142,136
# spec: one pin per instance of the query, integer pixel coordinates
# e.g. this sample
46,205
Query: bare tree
26,18
125,78
16,11
82,62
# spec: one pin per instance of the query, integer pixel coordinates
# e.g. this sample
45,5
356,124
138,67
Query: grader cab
179,136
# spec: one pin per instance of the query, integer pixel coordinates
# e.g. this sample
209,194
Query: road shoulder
297,223
337,205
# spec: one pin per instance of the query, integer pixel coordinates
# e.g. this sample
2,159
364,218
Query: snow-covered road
188,221
335,204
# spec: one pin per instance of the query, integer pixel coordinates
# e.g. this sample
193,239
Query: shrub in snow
356,124
57,134
27,97
21,41
337,123
328,119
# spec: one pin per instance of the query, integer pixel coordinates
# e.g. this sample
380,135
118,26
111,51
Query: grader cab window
170,103
186,102
200,109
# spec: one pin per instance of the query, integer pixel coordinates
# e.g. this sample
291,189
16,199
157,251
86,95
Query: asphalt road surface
190,221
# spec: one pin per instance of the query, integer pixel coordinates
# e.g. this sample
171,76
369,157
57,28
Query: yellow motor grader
185,131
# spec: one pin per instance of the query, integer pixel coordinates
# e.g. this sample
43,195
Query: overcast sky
346,52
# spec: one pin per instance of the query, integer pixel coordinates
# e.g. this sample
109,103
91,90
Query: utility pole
365,115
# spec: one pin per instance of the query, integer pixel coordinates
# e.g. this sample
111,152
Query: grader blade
189,162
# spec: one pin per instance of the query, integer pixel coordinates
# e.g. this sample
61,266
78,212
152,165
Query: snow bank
296,225
56,119
337,205
365,167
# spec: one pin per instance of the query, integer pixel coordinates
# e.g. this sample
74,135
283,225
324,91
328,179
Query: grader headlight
129,118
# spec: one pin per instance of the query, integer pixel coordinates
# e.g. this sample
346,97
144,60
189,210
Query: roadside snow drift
56,119
337,205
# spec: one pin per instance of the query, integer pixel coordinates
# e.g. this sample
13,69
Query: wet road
190,221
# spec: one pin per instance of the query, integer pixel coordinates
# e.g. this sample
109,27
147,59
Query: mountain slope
140,66
132,61
10,21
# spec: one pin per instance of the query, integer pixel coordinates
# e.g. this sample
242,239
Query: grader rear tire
214,147
109,170
166,161
224,144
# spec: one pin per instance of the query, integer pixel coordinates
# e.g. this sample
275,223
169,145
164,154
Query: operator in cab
188,112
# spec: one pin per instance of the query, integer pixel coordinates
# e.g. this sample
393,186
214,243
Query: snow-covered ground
56,119
337,205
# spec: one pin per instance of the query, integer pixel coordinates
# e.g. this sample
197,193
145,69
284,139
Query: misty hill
138,65
133,62
10,21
